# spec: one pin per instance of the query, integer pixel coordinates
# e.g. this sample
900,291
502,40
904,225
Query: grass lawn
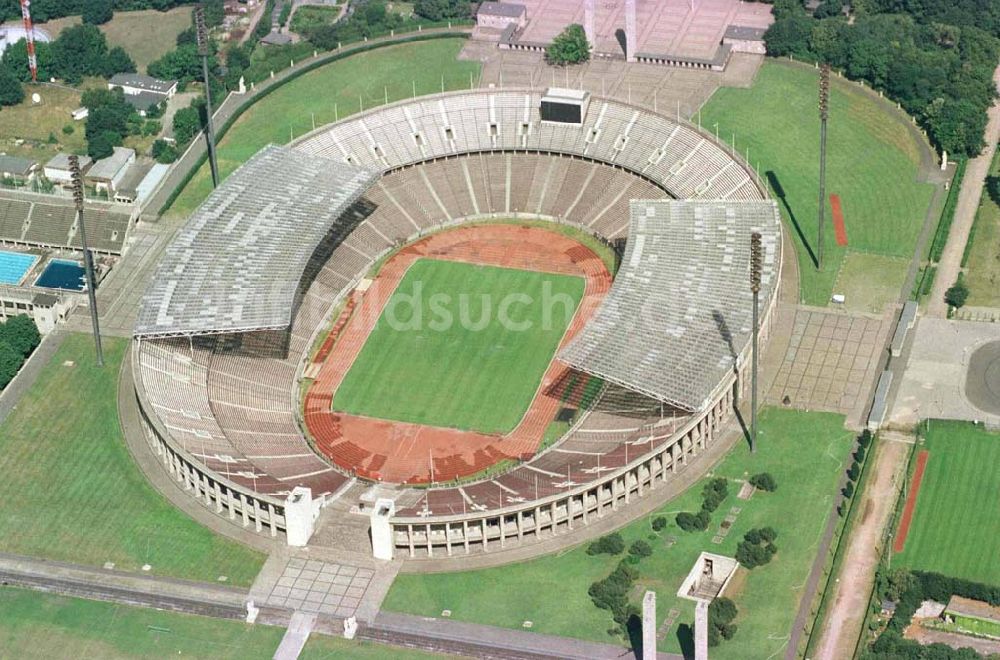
330,92
453,348
872,164
36,123
146,35
71,491
804,451
870,281
954,528
307,17
36,625
982,273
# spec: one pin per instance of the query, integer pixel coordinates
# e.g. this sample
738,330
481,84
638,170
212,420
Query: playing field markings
911,501
839,228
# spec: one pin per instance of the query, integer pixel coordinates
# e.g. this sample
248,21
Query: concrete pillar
588,21
299,517
701,630
218,497
409,536
272,517
245,508
465,534
483,523
552,517
631,34
430,544
257,515
649,626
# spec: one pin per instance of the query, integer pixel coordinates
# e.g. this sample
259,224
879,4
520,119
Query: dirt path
965,213
843,623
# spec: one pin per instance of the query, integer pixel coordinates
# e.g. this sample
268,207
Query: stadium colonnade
218,358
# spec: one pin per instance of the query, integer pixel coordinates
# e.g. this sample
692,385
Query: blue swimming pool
62,274
14,266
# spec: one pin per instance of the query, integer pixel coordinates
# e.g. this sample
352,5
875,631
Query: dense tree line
935,57
94,10
908,590
18,339
442,10
79,51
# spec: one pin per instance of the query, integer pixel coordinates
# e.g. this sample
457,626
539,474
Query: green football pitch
954,527
459,346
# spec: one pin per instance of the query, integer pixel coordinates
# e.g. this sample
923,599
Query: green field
71,491
49,627
804,451
954,528
982,274
872,164
454,347
869,282
145,35
330,92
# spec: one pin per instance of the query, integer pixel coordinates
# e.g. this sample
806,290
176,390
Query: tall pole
824,113
202,31
88,262
755,263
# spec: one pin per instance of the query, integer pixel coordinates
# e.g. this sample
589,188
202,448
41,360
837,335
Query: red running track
839,228
401,452
911,502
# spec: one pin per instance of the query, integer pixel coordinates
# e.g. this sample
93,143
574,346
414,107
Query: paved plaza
319,587
937,381
831,361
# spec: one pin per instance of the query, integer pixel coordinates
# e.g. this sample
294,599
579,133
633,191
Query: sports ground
444,354
883,217
444,367
953,527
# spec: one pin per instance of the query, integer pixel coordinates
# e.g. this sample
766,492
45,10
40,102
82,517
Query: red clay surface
911,502
839,228
401,452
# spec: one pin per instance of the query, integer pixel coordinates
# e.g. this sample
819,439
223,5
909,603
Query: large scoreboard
564,106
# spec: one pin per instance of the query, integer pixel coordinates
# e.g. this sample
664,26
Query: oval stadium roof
678,315
237,263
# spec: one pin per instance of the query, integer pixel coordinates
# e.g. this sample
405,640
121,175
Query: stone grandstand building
700,34
222,343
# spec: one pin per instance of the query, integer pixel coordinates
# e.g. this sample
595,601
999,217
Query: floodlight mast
824,114
202,32
755,267
88,262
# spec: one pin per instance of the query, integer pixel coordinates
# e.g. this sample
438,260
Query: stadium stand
222,410
50,222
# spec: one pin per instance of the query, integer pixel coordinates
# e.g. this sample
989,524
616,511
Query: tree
691,522
10,362
721,613
101,145
789,36
118,61
11,92
640,548
440,10
79,51
612,544
21,334
187,123
659,523
164,152
957,294
98,12
764,481
569,47
182,63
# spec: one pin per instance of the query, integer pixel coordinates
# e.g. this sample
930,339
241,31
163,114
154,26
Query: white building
57,169
135,83
107,174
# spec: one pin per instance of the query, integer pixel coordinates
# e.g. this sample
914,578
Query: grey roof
16,165
108,168
745,33
505,9
61,162
679,311
237,263
139,81
143,100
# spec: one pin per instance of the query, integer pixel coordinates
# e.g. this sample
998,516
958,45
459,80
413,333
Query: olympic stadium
263,311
